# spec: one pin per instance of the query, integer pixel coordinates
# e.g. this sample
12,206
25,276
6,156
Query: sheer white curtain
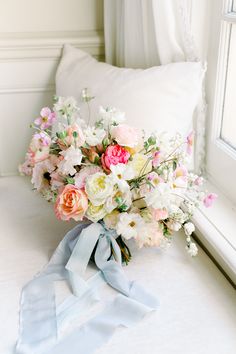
144,33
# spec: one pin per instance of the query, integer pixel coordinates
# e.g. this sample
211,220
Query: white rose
99,187
95,213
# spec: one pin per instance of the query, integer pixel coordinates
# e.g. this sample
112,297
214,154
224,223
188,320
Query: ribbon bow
40,320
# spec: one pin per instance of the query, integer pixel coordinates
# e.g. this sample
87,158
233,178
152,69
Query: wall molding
48,45
49,88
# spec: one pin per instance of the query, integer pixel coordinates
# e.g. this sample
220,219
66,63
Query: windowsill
216,230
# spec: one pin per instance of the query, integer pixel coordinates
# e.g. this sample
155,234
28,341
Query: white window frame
220,156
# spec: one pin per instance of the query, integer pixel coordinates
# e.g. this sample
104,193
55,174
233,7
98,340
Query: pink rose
209,199
126,135
71,203
113,155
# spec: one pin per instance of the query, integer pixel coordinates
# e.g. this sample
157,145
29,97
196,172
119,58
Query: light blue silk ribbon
41,320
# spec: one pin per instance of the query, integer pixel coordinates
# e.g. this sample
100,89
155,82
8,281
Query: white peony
94,136
72,157
130,225
99,187
159,197
189,228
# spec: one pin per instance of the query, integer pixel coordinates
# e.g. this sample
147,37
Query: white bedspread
198,306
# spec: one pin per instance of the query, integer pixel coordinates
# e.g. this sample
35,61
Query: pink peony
113,155
126,135
209,199
71,203
46,119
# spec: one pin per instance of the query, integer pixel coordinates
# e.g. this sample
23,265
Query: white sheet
198,306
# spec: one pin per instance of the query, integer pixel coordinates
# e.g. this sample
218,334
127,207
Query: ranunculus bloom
209,199
71,203
159,214
113,155
126,135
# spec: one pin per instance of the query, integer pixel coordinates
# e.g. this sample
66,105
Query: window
221,149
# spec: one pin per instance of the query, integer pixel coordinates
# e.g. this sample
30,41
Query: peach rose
71,203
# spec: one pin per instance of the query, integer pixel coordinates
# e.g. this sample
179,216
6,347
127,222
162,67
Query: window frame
220,156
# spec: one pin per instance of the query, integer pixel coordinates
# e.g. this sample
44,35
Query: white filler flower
94,136
189,228
159,197
72,157
192,249
120,174
129,225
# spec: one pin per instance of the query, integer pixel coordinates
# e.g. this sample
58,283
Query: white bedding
198,306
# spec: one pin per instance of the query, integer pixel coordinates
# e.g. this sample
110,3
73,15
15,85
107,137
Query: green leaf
70,180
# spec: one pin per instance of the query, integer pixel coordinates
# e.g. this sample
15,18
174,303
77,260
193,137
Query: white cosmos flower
129,225
99,187
111,116
72,157
94,136
159,197
120,174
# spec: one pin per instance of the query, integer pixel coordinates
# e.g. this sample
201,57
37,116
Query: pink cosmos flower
209,199
113,155
80,177
126,135
46,119
190,141
71,203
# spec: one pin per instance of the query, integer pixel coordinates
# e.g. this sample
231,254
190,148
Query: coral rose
71,203
113,155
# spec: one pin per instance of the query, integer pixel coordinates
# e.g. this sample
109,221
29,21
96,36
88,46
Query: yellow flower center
132,224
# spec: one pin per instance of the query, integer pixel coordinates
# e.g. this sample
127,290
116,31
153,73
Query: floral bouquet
123,184
115,174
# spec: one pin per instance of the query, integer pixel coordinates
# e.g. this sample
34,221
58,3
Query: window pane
234,6
228,129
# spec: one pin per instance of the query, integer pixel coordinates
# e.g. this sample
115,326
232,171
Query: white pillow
161,98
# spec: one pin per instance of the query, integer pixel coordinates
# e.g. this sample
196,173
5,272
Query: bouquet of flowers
115,174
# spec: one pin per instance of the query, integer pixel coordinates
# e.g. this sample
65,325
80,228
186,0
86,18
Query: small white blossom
72,157
159,197
174,225
94,136
192,249
189,228
120,174
111,116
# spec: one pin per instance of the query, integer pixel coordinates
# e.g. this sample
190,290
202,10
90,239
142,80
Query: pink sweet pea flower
46,119
209,199
190,141
156,159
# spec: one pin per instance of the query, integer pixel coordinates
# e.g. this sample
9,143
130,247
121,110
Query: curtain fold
145,33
